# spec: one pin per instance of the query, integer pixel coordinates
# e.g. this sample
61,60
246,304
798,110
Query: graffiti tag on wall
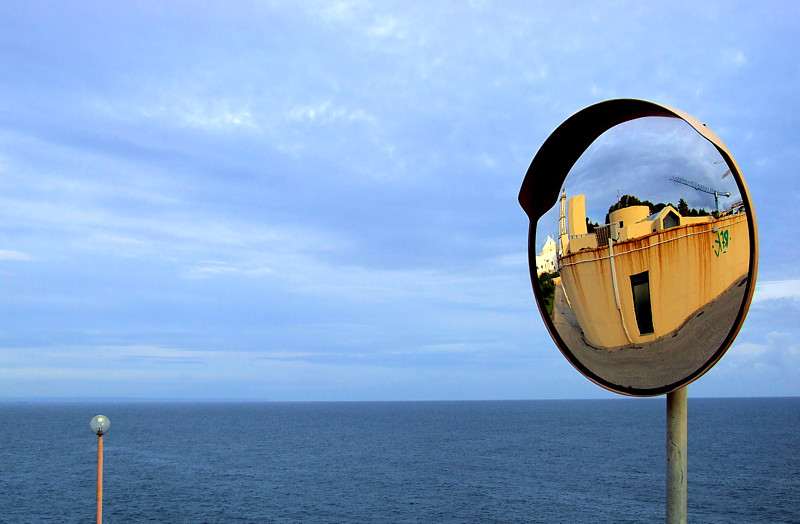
721,242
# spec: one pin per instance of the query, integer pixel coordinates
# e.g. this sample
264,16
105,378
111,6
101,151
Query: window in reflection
640,283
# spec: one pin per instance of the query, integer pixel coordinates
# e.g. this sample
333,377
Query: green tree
548,288
683,208
631,200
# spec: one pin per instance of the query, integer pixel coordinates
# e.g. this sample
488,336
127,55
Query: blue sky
317,200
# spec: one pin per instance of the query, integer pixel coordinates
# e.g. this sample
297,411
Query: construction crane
704,189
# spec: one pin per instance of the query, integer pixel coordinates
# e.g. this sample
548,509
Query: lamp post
100,425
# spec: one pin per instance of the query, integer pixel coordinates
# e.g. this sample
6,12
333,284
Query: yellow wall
696,220
583,242
688,267
633,221
629,215
576,215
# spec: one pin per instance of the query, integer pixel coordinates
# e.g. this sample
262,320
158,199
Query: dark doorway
640,283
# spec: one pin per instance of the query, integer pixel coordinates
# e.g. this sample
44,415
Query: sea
575,461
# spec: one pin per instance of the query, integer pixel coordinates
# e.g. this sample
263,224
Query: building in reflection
547,259
641,276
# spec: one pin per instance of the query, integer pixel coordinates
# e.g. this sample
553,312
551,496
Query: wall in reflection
642,264
640,277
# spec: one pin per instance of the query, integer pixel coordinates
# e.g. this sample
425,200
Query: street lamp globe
100,425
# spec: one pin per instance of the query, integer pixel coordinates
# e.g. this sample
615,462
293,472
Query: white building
547,260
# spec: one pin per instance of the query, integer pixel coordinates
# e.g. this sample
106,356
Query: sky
641,158
315,200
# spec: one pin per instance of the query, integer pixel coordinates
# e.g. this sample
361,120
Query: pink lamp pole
100,425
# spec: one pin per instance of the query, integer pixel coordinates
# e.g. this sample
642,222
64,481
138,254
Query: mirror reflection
642,263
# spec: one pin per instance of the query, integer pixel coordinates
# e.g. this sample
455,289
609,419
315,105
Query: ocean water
515,461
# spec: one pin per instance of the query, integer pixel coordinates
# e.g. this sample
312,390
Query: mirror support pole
677,407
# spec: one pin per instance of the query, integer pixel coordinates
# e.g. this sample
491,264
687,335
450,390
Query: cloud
768,292
327,112
736,58
199,111
338,11
16,256
212,118
136,214
750,349
216,268
315,192
92,357
386,26
775,350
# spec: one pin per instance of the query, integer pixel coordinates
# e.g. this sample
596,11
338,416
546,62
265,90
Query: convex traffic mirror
642,246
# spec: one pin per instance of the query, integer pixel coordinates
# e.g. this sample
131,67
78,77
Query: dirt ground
661,362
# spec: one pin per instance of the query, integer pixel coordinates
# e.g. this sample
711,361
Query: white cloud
775,352
181,106
16,256
513,261
210,115
749,349
75,359
215,268
338,11
177,159
736,58
87,223
328,112
385,26
776,290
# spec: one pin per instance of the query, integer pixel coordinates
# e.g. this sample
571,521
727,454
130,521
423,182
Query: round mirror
642,246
